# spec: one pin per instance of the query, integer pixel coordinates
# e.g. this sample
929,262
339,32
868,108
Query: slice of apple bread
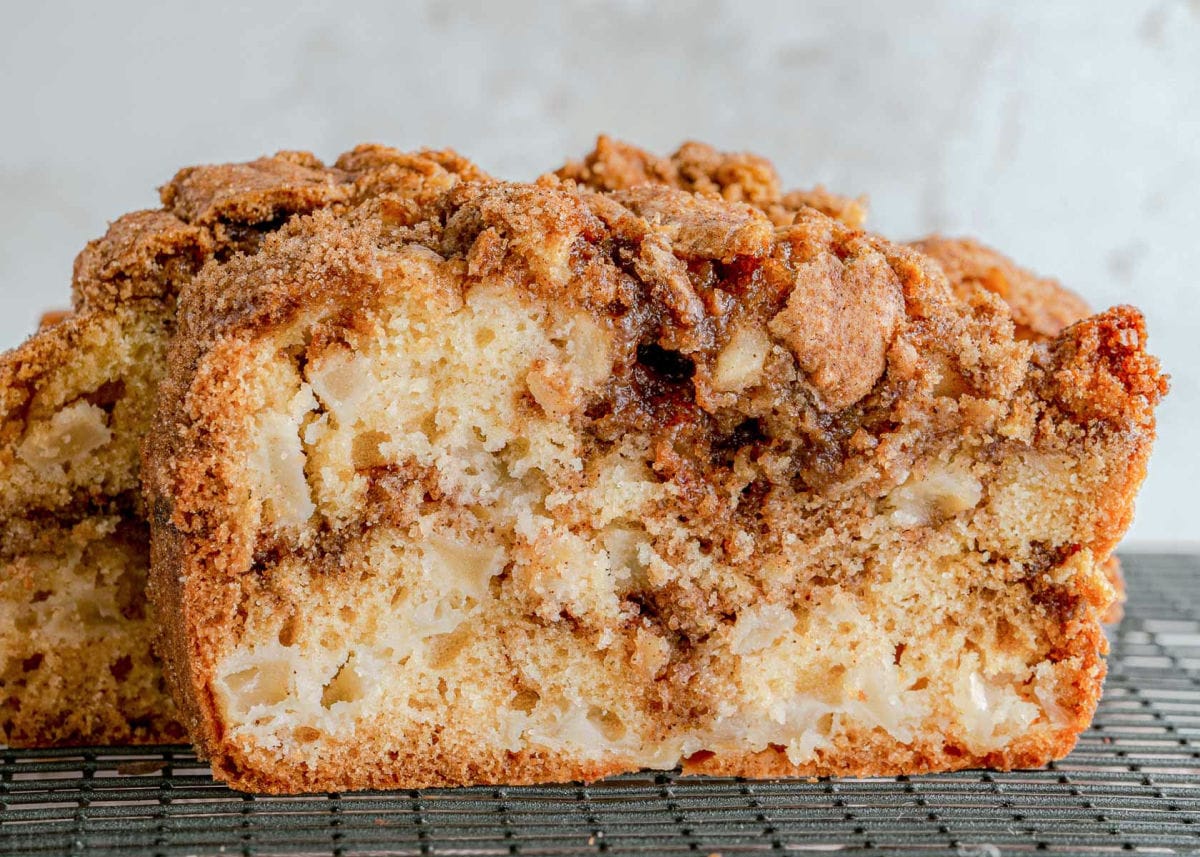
75,661
76,665
541,483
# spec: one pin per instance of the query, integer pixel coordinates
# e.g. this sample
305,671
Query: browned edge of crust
614,165
1116,578
1041,307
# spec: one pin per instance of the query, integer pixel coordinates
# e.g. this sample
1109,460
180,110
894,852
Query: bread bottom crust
871,755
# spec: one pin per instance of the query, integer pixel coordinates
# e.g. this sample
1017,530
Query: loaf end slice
76,661
75,627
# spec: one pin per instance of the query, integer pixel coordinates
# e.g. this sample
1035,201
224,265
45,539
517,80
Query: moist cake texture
530,482
76,665
75,661
1040,307
75,627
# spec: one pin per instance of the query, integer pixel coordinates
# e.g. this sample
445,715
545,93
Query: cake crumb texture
633,466
76,660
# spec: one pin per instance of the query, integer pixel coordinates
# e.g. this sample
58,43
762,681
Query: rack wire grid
1132,784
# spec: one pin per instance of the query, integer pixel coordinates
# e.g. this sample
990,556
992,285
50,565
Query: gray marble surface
1066,133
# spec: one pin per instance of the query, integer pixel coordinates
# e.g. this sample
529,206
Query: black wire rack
1132,784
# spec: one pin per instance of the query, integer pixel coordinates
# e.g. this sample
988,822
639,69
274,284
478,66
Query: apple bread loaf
536,482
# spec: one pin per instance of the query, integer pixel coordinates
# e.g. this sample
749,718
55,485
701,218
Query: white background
1066,133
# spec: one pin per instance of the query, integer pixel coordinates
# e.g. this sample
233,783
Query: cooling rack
1132,784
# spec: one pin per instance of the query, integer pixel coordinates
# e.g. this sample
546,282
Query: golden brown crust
1102,372
52,317
146,254
671,278
1116,578
375,166
1041,307
701,169
256,192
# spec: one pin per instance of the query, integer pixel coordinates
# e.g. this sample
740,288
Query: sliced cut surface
75,664
75,403
539,483
1039,306
75,627
75,400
